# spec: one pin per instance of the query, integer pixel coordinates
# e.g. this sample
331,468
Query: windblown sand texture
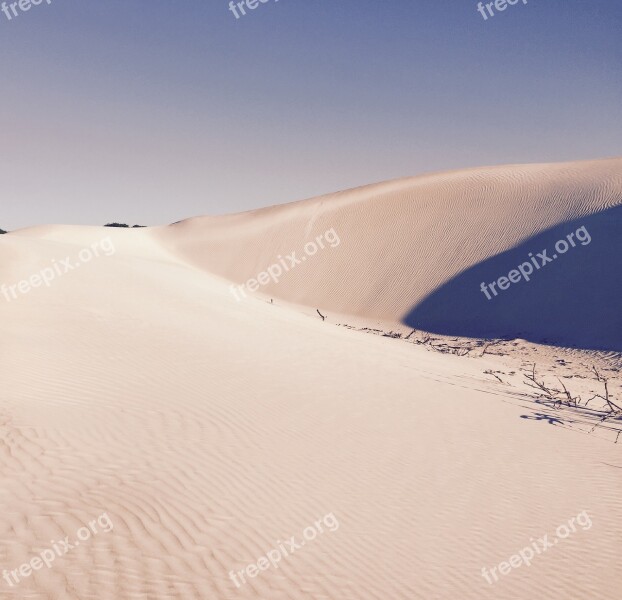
209,429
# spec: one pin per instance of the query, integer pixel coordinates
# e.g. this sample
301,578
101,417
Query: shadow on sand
574,300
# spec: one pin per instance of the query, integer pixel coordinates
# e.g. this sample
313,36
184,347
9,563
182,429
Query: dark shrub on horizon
116,225
2,231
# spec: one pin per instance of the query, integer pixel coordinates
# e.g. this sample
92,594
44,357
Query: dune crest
406,239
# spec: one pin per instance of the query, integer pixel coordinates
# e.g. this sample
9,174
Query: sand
210,430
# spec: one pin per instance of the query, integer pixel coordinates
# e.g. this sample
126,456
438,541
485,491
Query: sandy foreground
179,435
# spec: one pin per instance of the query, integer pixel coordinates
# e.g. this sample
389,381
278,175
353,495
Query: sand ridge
402,239
209,429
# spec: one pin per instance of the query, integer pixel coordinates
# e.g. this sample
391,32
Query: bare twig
613,407
489,372
547,392
495,343
569,397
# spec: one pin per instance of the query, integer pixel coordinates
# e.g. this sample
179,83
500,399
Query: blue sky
150,111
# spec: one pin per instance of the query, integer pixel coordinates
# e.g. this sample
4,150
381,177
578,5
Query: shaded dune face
415,251
573,299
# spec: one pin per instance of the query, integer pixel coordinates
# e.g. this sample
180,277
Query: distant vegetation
106,225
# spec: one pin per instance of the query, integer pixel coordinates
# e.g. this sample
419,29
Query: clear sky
150,111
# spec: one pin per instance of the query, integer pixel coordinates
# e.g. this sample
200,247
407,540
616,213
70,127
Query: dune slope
211,431
427,242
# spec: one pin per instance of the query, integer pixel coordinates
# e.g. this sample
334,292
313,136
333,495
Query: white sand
209,429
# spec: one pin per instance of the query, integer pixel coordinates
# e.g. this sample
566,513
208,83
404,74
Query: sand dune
416,250
211,430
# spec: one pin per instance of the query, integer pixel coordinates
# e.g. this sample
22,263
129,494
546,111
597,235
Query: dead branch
489,372
576,400
613,407
495,343
547,392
